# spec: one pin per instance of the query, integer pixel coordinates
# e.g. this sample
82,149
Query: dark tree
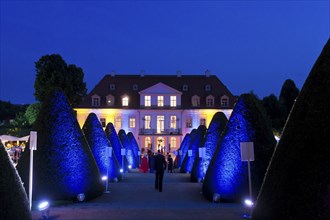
288,95
53,72
14,203
227,175
297,183
273,109
64,165
99,143
212,138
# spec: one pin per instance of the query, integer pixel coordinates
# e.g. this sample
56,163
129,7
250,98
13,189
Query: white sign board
247,151
33,140
201,152
189,153
123,152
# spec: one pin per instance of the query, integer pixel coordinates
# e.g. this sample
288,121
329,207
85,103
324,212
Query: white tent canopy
5,138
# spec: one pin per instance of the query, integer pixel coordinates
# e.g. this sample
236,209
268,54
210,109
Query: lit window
173,122
195,101
132,122
118,122
189,123
160,124
209,101
208,88
160,100
103,122
147,120
202,121
125,101
173,101
173,142
147,100
147,142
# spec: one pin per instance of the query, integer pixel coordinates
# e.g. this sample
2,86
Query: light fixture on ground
43,207
81,197
121,170
216,197
248,205
129,166
105,179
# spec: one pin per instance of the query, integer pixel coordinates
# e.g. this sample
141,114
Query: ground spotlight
81,197
121,170
248,204
216,197
129,166
104,178
43,207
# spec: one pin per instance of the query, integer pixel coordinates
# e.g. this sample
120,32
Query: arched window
224,101
195,101
173,142
147,142
210,101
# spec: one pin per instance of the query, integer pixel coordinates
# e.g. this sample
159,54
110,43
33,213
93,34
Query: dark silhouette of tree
288,95
297,183
227,175
99,143
272,106
212,138
14,203
64,165
53,72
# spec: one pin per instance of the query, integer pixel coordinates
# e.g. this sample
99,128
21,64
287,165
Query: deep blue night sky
252,45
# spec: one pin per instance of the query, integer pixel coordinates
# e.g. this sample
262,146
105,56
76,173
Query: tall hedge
211,140
14,203
126,143
195,143
116,144
297,184
135,146
64,165
99,143
182,150
227,175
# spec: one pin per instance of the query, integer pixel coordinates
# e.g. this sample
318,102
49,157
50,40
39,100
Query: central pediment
160,88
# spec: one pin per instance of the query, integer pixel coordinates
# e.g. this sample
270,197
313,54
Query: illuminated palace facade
158,109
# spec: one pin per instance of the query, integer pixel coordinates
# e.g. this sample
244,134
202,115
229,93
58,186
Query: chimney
142,72
207,73
113,73
178,73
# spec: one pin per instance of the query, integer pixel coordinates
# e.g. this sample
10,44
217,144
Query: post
250,185
33,146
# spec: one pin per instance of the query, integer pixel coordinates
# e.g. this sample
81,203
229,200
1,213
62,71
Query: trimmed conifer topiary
211,140
64,165
227,175
196,142
188,146
135,146
297,183
182,150
117,146
99,143
14,203
130,154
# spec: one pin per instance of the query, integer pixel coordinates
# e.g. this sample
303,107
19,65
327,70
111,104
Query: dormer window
135,87
185,87
224,101
110,100
125,100
195,101
95,100
112,87
207,88
209,101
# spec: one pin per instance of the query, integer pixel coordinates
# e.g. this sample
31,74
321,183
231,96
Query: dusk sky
250,45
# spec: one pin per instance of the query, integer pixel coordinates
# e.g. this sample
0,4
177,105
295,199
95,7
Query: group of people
148,162
14,152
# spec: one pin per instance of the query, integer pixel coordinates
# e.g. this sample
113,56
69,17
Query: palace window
202,121
160,100
125,101
147,120
210,101
147,101
95,100
173,122
132,122
118,122
224,101
147,142
173,101
195,101
188,122
173,142
103,122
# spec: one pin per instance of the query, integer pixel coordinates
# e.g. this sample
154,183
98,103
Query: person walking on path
170,164
159,166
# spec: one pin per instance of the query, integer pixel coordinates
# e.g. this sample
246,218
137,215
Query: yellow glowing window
125,101
147,100
160,100
173,101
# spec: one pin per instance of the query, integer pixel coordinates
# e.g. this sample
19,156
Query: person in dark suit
159,166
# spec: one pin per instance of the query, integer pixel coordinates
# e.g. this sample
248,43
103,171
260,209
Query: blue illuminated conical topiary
183,150
195,143
116,144
130,156
297,183
187,146
14,203
99,143
227,175
211,141
135,146
64,165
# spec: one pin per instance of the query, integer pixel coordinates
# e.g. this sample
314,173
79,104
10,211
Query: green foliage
53,72
297,182
32,112
14,203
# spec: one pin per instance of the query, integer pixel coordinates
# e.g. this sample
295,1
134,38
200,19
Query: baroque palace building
158,109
